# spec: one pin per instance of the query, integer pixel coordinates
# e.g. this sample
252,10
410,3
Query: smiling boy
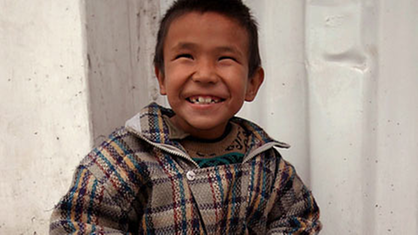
206,73
194,168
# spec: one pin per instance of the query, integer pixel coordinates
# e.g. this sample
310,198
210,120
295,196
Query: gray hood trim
134,123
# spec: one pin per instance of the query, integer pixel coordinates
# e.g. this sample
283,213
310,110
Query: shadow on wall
120,73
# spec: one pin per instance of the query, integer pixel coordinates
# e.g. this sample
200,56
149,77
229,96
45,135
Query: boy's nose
205,73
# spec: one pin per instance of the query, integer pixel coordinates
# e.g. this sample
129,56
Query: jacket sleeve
294,210
88,209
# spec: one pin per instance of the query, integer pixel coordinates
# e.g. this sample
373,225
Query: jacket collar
150,125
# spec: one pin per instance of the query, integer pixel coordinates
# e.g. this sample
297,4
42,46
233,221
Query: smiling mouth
204,100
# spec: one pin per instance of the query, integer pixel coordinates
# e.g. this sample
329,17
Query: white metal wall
341,81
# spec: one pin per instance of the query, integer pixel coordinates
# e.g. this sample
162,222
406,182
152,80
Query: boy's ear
254,84
161,82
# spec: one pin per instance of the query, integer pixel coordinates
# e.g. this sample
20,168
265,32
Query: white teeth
203,100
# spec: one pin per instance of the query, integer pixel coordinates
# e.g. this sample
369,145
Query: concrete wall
44,118
341,80
120,45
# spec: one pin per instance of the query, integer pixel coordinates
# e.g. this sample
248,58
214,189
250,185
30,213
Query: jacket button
190,175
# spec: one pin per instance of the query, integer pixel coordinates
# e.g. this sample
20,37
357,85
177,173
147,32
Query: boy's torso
167,192
176,195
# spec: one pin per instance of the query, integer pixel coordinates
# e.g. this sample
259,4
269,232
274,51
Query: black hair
233,9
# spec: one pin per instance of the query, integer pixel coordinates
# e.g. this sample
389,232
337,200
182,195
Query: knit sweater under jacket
140,181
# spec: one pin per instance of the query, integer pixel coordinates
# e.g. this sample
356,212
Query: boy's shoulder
118,155
120,164
121,141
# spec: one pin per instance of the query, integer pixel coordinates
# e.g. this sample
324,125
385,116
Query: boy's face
206,72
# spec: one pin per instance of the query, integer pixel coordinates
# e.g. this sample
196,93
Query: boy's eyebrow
229,49
184,45
189,45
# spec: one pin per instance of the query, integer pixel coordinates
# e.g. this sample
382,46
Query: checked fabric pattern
138,182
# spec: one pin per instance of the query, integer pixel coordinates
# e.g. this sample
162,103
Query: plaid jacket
141,182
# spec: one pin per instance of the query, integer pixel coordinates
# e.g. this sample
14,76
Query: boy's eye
187,56
227,58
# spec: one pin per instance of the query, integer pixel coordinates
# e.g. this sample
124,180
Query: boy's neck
203,134
177,132
226,132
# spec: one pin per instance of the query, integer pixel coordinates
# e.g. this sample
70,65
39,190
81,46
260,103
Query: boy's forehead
211,15
214,21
